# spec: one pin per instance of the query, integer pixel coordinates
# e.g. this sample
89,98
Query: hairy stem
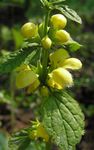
45,51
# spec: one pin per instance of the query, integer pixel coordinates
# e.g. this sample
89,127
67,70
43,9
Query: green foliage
73,46
63,120
18,38
64,9
14,59
62,116
69,13
57,2
3,141
22,141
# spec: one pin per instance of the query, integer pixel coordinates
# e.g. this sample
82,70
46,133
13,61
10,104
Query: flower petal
25,78
22,67
71,63
57,56
60,78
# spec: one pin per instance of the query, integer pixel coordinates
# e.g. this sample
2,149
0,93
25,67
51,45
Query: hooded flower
60,77
26,77
58,56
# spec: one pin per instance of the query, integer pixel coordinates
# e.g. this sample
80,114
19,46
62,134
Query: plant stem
45,51
46,22
12,91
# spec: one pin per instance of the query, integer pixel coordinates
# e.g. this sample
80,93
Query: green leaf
18,38
57,1
69,13
3,141
73,46
63,120
44,2
24,145
33,57
14,59
21,141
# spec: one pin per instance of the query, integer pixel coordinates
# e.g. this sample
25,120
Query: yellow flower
58,56
25,77
29,30
71,63
60,78
46,42
39,131
58,21
22,68
62,36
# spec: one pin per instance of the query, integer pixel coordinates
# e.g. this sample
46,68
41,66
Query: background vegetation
16,109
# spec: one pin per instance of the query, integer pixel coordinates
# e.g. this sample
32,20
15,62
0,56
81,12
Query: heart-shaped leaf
63,119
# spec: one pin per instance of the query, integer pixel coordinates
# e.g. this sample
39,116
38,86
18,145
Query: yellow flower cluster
60,64
60,77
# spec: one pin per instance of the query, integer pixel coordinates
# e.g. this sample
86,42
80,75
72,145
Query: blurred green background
16,107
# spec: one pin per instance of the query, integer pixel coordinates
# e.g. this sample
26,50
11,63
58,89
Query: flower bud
44,91
62,36
29,30
58,21
60,78
71,63
46,42
58,56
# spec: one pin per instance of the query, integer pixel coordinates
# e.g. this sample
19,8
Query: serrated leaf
14,59
73,46
24,145
69,13
20,140
63,120
33,57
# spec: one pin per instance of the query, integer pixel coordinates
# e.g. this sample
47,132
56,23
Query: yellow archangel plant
47,50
